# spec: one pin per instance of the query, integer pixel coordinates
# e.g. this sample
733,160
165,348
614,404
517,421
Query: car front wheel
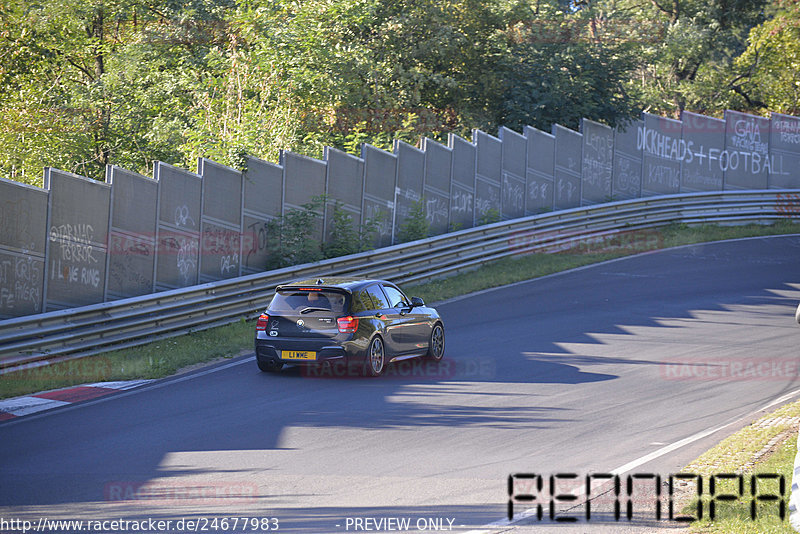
436,345
376,358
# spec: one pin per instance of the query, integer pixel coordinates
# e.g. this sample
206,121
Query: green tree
768,72
687,50
88,84
563,66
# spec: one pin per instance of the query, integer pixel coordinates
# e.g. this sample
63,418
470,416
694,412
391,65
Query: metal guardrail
45,338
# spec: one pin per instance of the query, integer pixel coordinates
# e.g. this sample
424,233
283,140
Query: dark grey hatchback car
361,324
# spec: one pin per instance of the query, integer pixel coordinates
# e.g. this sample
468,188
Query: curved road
603,368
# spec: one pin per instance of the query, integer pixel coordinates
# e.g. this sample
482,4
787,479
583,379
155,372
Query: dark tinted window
396,298
295,301
362,302
378,297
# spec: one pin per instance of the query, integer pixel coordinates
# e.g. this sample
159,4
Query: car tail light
347,325
262,322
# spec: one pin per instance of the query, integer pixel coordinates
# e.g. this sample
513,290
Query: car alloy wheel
436,346
376,359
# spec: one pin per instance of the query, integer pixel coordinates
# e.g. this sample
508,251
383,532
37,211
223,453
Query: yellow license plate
298,355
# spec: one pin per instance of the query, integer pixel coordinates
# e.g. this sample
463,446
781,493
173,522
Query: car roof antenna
320,281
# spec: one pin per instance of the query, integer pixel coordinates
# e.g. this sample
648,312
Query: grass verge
765,449
166,357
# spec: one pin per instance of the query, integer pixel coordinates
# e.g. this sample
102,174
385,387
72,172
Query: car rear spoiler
309,287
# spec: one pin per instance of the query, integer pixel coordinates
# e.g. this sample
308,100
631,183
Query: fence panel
23,241
598,155
380,183
263,202
221,221
784,151
704,145
627,179
77,218
487,178
540,172
568,156
514,160
345,186
462,187
178,247
747,163
304,180
661,154
438,172
132,239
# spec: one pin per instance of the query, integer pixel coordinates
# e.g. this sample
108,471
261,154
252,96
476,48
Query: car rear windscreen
291,301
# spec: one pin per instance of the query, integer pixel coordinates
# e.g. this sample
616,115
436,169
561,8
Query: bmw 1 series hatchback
362,324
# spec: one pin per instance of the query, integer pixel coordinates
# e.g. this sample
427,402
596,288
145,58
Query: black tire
436,344
269,366
375,360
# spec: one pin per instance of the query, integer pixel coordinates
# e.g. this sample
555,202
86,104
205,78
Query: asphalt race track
605,368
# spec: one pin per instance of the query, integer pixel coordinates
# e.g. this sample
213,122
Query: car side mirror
416,301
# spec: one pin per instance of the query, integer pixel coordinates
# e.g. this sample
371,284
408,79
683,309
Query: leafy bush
344,237
492,215
291,241
417,225
290,238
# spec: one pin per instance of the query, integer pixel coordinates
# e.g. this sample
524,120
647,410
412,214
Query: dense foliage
85,83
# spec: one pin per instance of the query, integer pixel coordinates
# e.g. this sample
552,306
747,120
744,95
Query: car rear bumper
325,350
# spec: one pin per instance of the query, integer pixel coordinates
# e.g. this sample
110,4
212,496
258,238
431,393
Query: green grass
153,360
163,358
682,234
736,454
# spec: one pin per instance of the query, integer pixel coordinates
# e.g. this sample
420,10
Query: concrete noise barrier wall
462,187
79,241
132,238
262,203
438,175
514,168
540,171
626,182
178,226
23,242
220,221
568,156
345,188
597,162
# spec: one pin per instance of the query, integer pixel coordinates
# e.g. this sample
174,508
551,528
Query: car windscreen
291,301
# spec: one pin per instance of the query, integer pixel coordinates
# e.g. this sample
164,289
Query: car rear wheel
436,345
376,358
269,366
